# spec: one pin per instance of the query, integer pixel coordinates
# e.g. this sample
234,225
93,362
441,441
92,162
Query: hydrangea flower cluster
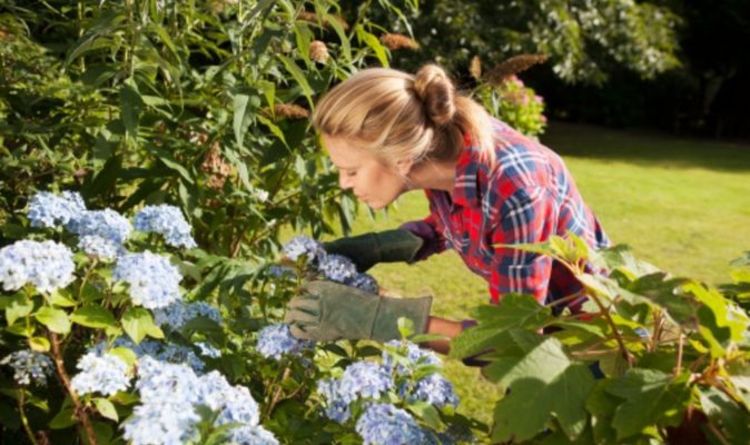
154,281
337,268
100,248
170,394
168,221
303,245
360,380
333,266
371,383
177,314
103,373
107,224
384,424
50,210
29,366
276,340
165,352
45,264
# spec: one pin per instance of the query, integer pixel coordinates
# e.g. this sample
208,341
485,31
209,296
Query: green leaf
19,305
372,41
299,77
93,317
428,413
61,298
130,107
39,344
138,323
125,354
726,414
56,320
405,327
651,398
514,311
65,417
106,408
543,382
239,109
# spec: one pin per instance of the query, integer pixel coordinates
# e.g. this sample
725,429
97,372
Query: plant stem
24,420
277,392
79,409
594,294
680,344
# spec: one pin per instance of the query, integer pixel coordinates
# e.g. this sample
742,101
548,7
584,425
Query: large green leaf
56,320
130,107
651,398
544,384
138,323
17,306
93,317
514,311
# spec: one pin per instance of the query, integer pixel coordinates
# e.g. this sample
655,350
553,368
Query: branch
79,410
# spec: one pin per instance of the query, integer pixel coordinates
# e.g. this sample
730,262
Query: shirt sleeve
527,216
431,232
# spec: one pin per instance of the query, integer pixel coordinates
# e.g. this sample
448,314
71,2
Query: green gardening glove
377,247
327,311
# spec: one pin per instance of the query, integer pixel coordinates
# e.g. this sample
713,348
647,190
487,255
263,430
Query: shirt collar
465,187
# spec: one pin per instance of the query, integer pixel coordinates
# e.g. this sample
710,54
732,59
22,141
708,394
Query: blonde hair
398,115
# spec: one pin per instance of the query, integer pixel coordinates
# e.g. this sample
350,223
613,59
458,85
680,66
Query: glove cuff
398,245
385,325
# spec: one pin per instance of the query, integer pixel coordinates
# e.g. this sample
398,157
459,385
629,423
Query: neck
433,175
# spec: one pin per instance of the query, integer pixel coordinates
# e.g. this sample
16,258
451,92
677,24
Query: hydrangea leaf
93,317
39,344
138,323
56,320
18,306
106,408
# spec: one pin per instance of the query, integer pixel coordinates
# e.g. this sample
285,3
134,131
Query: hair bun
437,92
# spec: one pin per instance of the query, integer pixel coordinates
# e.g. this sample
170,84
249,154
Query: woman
389,132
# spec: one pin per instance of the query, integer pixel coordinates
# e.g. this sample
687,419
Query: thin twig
680,344
277,392
718,434
79,410
24,420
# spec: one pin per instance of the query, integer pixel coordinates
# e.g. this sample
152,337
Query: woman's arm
449,328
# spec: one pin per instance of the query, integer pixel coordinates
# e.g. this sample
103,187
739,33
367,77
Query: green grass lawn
681,204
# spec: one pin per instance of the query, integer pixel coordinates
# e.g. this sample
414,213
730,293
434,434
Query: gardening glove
328,311
377,247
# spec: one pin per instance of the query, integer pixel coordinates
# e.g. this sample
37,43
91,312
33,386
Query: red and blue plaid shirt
527,196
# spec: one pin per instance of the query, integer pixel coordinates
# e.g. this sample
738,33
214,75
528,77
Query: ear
403,166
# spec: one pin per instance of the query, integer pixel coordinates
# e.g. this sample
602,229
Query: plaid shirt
526,197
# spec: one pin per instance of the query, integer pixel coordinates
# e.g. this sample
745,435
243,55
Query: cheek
382,184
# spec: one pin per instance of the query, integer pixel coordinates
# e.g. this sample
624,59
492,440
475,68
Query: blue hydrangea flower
383,424
100,248
166,414
436,390
364,379
303,245
277,340
106,223
364,282
157,350
105,374
168,221
278,271
153,280
252,435
47,265
29,366
50,210
336,408
208,350
177,314
337,268
170,394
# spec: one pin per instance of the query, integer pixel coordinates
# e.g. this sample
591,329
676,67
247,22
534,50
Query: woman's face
373,181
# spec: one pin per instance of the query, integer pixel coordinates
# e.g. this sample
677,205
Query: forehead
345,152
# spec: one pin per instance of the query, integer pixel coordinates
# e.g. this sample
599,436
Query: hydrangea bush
119,348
